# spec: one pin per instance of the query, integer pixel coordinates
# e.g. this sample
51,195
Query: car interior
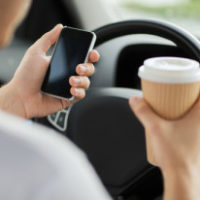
102,124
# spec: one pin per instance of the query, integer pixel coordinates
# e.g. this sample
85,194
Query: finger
94,56
51,105
194,112
143,112
48,39
79,82
86,69
41,70
79,93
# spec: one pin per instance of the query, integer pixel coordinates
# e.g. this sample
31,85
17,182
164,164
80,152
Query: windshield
185,13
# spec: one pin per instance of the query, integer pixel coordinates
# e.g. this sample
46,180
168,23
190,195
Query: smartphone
72,48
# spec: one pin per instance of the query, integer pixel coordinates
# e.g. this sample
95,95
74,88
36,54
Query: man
38,164
35,162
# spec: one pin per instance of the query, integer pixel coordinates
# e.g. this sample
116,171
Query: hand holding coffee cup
171,86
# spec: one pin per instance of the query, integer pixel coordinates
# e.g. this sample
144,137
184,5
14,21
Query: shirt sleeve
78,182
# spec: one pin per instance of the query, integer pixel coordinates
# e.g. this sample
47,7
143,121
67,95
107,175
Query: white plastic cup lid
170,70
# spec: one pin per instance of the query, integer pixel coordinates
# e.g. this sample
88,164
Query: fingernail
98,55
83,68
76,91
76,80
57,26
134,100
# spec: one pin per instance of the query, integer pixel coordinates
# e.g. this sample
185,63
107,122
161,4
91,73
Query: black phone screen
71,49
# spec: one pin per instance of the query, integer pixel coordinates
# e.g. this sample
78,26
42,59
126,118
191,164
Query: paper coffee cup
170,85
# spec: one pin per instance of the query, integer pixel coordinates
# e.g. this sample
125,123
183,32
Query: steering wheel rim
174,33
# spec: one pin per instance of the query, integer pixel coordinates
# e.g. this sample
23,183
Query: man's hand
175,148
22,96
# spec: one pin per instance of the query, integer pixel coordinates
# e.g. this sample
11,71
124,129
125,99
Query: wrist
182,183
10,101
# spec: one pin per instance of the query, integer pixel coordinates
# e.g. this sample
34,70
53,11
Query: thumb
194,111
48,39
143,112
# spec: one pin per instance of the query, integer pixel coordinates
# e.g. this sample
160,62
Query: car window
185,13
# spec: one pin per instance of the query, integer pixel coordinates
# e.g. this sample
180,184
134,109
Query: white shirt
38,164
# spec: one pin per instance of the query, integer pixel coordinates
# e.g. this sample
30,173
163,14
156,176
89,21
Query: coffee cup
170,86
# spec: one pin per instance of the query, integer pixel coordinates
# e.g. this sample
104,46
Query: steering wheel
179,36
105,128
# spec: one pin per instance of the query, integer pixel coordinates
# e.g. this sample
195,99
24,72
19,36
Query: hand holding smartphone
72,48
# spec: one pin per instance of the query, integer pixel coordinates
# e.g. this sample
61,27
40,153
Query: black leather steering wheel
103,125
179,36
